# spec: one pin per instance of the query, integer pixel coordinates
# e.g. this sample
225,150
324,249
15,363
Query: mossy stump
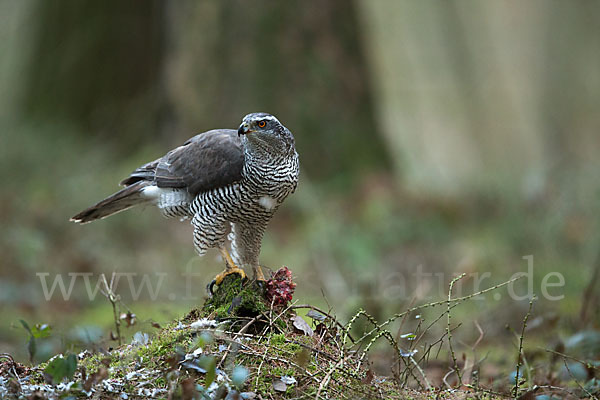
235,298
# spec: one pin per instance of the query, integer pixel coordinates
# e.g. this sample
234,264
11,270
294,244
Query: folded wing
209,160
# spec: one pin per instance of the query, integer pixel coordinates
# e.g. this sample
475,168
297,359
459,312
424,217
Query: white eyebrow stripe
260,118
269,117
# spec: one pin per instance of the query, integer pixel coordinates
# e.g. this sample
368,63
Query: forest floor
247,342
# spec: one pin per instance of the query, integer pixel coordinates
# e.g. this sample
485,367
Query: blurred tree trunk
570,83
300,60
470,92
97,66
13,48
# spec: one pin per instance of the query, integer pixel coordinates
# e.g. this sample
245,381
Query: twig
390,338
114,300
449,332
449,386
520,354
577,381
561,389
324,354
470,366
434,304
437,341
403,321
481,334
240,332
487,391
585,363
327,378
266,347
425,356
248,350
272,321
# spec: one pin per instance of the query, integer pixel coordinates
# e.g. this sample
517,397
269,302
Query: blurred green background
442,137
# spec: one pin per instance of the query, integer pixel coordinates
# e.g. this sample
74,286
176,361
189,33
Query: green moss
235,298
92,363
154,355
278,339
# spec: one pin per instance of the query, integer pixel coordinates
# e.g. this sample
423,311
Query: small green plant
38,331
61,367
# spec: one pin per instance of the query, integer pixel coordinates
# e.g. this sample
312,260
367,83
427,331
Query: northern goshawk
224,180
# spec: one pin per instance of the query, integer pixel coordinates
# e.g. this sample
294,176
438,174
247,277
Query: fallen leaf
278,385
95,378
288,380
316,315
368,377
140,338
301,325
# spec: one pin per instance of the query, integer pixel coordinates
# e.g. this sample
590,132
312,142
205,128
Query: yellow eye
262,124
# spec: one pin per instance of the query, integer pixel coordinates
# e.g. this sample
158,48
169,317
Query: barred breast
245,208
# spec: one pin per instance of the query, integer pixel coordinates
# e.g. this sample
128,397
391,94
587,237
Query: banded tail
124,199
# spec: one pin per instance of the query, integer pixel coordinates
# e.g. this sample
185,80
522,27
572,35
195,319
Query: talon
230,268
210,287
258,274
234,270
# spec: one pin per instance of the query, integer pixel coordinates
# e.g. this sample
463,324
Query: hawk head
263,131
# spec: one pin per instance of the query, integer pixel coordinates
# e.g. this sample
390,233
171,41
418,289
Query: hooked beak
244,129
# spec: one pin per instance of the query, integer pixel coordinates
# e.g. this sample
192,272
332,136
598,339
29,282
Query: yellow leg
258,274
230,267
